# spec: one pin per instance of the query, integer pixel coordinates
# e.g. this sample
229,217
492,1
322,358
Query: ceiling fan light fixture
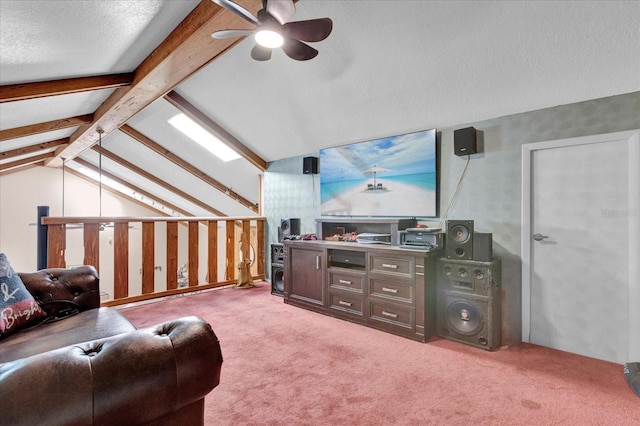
269,38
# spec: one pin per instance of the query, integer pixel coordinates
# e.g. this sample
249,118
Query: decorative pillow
18,308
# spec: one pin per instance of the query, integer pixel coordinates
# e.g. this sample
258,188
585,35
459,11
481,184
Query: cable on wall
455,194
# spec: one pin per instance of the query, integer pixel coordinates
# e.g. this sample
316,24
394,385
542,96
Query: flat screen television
390,177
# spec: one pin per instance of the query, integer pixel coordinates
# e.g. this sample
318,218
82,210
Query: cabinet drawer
345,302
347,281
400,266
401,316
396,291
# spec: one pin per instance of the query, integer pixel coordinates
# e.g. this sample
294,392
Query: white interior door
581,288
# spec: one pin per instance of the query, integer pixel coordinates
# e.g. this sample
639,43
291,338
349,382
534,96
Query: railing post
43,244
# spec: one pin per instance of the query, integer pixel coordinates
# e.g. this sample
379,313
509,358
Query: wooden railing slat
260,248
148,257
172,255
230,270
91,235
193,253
245,242
121,260
57,246
212,251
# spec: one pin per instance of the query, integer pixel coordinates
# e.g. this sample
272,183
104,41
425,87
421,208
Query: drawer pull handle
389,314
390,290
342,302
388,265
345,282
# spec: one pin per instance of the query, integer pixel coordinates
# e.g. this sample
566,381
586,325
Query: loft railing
141,258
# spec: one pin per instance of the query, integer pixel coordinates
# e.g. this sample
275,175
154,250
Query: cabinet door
305,280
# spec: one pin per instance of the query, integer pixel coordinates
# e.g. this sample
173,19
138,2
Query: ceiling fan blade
295,49
237,9
310,30
231,33
260,53
282,10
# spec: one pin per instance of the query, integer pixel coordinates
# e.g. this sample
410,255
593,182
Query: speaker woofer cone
460,234
464,317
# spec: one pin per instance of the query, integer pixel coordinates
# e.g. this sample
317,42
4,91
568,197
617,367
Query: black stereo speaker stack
277,269
469,302
462,243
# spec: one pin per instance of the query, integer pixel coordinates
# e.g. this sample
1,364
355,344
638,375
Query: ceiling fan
274,29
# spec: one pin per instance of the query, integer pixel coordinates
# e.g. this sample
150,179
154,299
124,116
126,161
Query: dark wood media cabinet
381,286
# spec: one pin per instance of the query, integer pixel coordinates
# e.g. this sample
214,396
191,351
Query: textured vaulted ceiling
389,67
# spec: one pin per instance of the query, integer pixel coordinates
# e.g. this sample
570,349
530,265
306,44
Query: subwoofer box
277,279
468,302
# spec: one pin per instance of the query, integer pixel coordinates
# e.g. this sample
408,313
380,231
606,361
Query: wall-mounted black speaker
459,244
290,227
464,141
468,302
277,279
310,165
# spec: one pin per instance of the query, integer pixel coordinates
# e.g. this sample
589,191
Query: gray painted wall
490,192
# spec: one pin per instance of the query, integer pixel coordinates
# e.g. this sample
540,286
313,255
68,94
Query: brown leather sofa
95,367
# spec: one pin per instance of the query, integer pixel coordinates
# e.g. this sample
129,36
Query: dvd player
371,238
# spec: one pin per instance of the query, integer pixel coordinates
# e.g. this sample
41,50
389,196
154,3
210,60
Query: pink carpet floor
287,366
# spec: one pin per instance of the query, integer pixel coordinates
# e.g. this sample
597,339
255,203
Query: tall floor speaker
277,269
469,302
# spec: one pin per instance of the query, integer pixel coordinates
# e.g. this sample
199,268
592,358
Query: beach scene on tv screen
393,176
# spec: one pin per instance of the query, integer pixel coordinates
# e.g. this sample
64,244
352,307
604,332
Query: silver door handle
539,237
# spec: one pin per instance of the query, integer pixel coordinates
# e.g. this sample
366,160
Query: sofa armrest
79,285
131,378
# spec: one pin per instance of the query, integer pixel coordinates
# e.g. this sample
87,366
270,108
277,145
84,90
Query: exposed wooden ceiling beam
201,118
132,167
188,48
20,168
159,149
114,178
42,89
5,155
25,161
49,126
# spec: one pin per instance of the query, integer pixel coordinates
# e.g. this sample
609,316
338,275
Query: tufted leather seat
96,368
